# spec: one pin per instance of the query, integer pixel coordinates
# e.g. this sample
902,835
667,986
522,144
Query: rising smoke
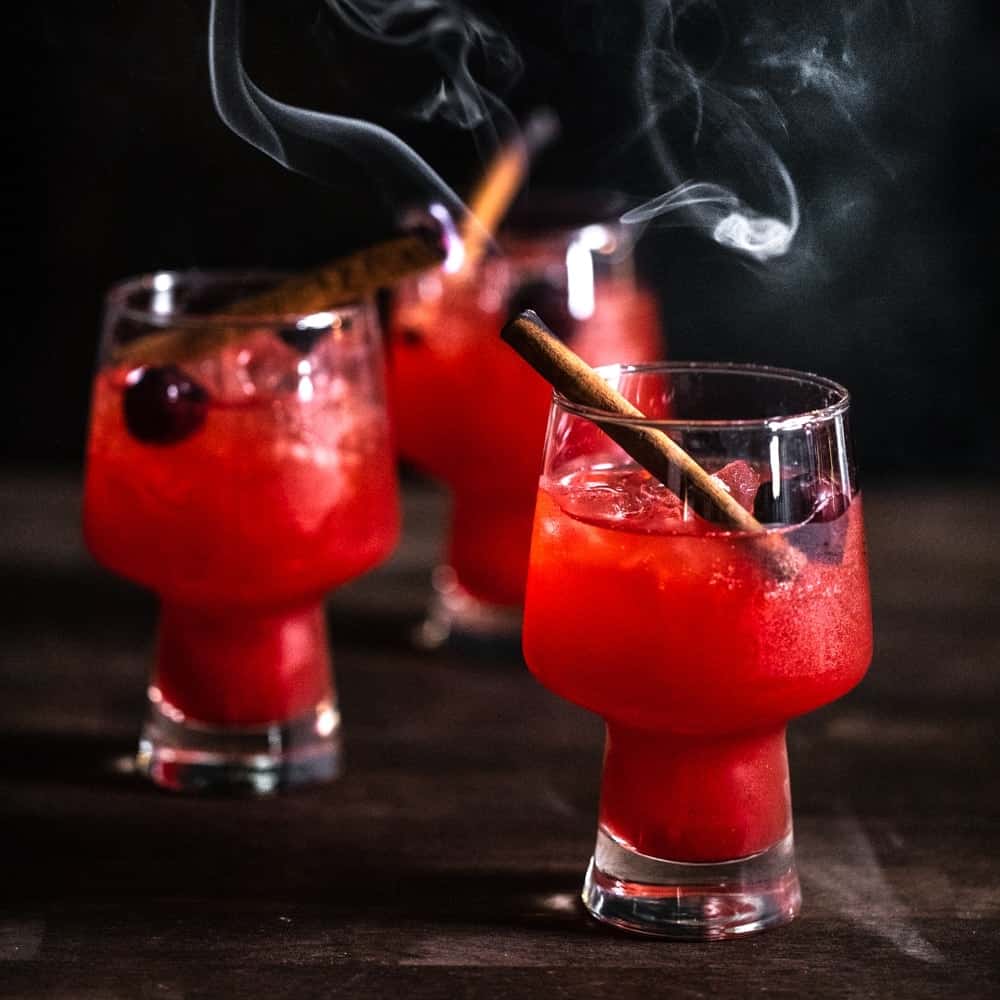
451,37
727,91
310,142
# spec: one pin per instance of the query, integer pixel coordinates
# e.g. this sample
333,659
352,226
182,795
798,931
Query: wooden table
447,862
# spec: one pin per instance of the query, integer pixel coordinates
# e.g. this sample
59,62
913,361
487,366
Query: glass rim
119,292
790,421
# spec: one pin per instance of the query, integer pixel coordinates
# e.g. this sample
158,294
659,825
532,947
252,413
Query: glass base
687,901
188,756
455,614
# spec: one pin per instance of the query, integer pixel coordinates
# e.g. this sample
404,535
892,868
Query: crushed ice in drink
630,499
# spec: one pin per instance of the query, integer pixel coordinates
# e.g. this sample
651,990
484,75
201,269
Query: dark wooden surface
446,863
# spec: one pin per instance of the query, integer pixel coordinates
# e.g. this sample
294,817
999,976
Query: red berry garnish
304,336
409,336
163,405
800,499
815,505
828,501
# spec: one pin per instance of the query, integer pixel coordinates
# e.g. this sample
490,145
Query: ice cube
268,367
742,481
255,365
628,499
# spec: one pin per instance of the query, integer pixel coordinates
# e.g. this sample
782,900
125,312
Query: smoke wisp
726,97
311,142
452,38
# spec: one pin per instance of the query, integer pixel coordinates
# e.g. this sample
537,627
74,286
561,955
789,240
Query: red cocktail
240,486
679,634
446,363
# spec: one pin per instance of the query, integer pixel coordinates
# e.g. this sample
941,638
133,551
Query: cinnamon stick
501,183
654,450
336,283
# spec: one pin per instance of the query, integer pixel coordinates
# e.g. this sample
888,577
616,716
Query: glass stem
695,798
241,665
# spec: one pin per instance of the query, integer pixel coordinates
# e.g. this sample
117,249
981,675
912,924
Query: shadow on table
168,871
76,603
84,604
64,758
83,826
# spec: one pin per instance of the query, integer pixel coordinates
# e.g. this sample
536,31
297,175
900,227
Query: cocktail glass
240,485
642,608
445,360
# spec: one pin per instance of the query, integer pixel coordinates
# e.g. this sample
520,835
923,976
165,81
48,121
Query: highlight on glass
693,642
238,465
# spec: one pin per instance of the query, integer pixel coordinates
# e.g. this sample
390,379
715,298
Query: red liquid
694,656
470,412
241,528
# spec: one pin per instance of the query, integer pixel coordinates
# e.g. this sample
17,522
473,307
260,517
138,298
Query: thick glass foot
674,899
188,756
454,614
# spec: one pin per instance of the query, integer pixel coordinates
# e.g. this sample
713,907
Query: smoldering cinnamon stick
336,283
501,183
654,450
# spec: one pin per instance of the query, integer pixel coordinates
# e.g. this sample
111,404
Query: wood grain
447,861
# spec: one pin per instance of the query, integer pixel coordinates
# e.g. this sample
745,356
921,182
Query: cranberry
435,227
815,505
163,405
305,334
829,501
409,337
800,499
302,338
549,300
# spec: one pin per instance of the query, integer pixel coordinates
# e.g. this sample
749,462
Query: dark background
122,166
